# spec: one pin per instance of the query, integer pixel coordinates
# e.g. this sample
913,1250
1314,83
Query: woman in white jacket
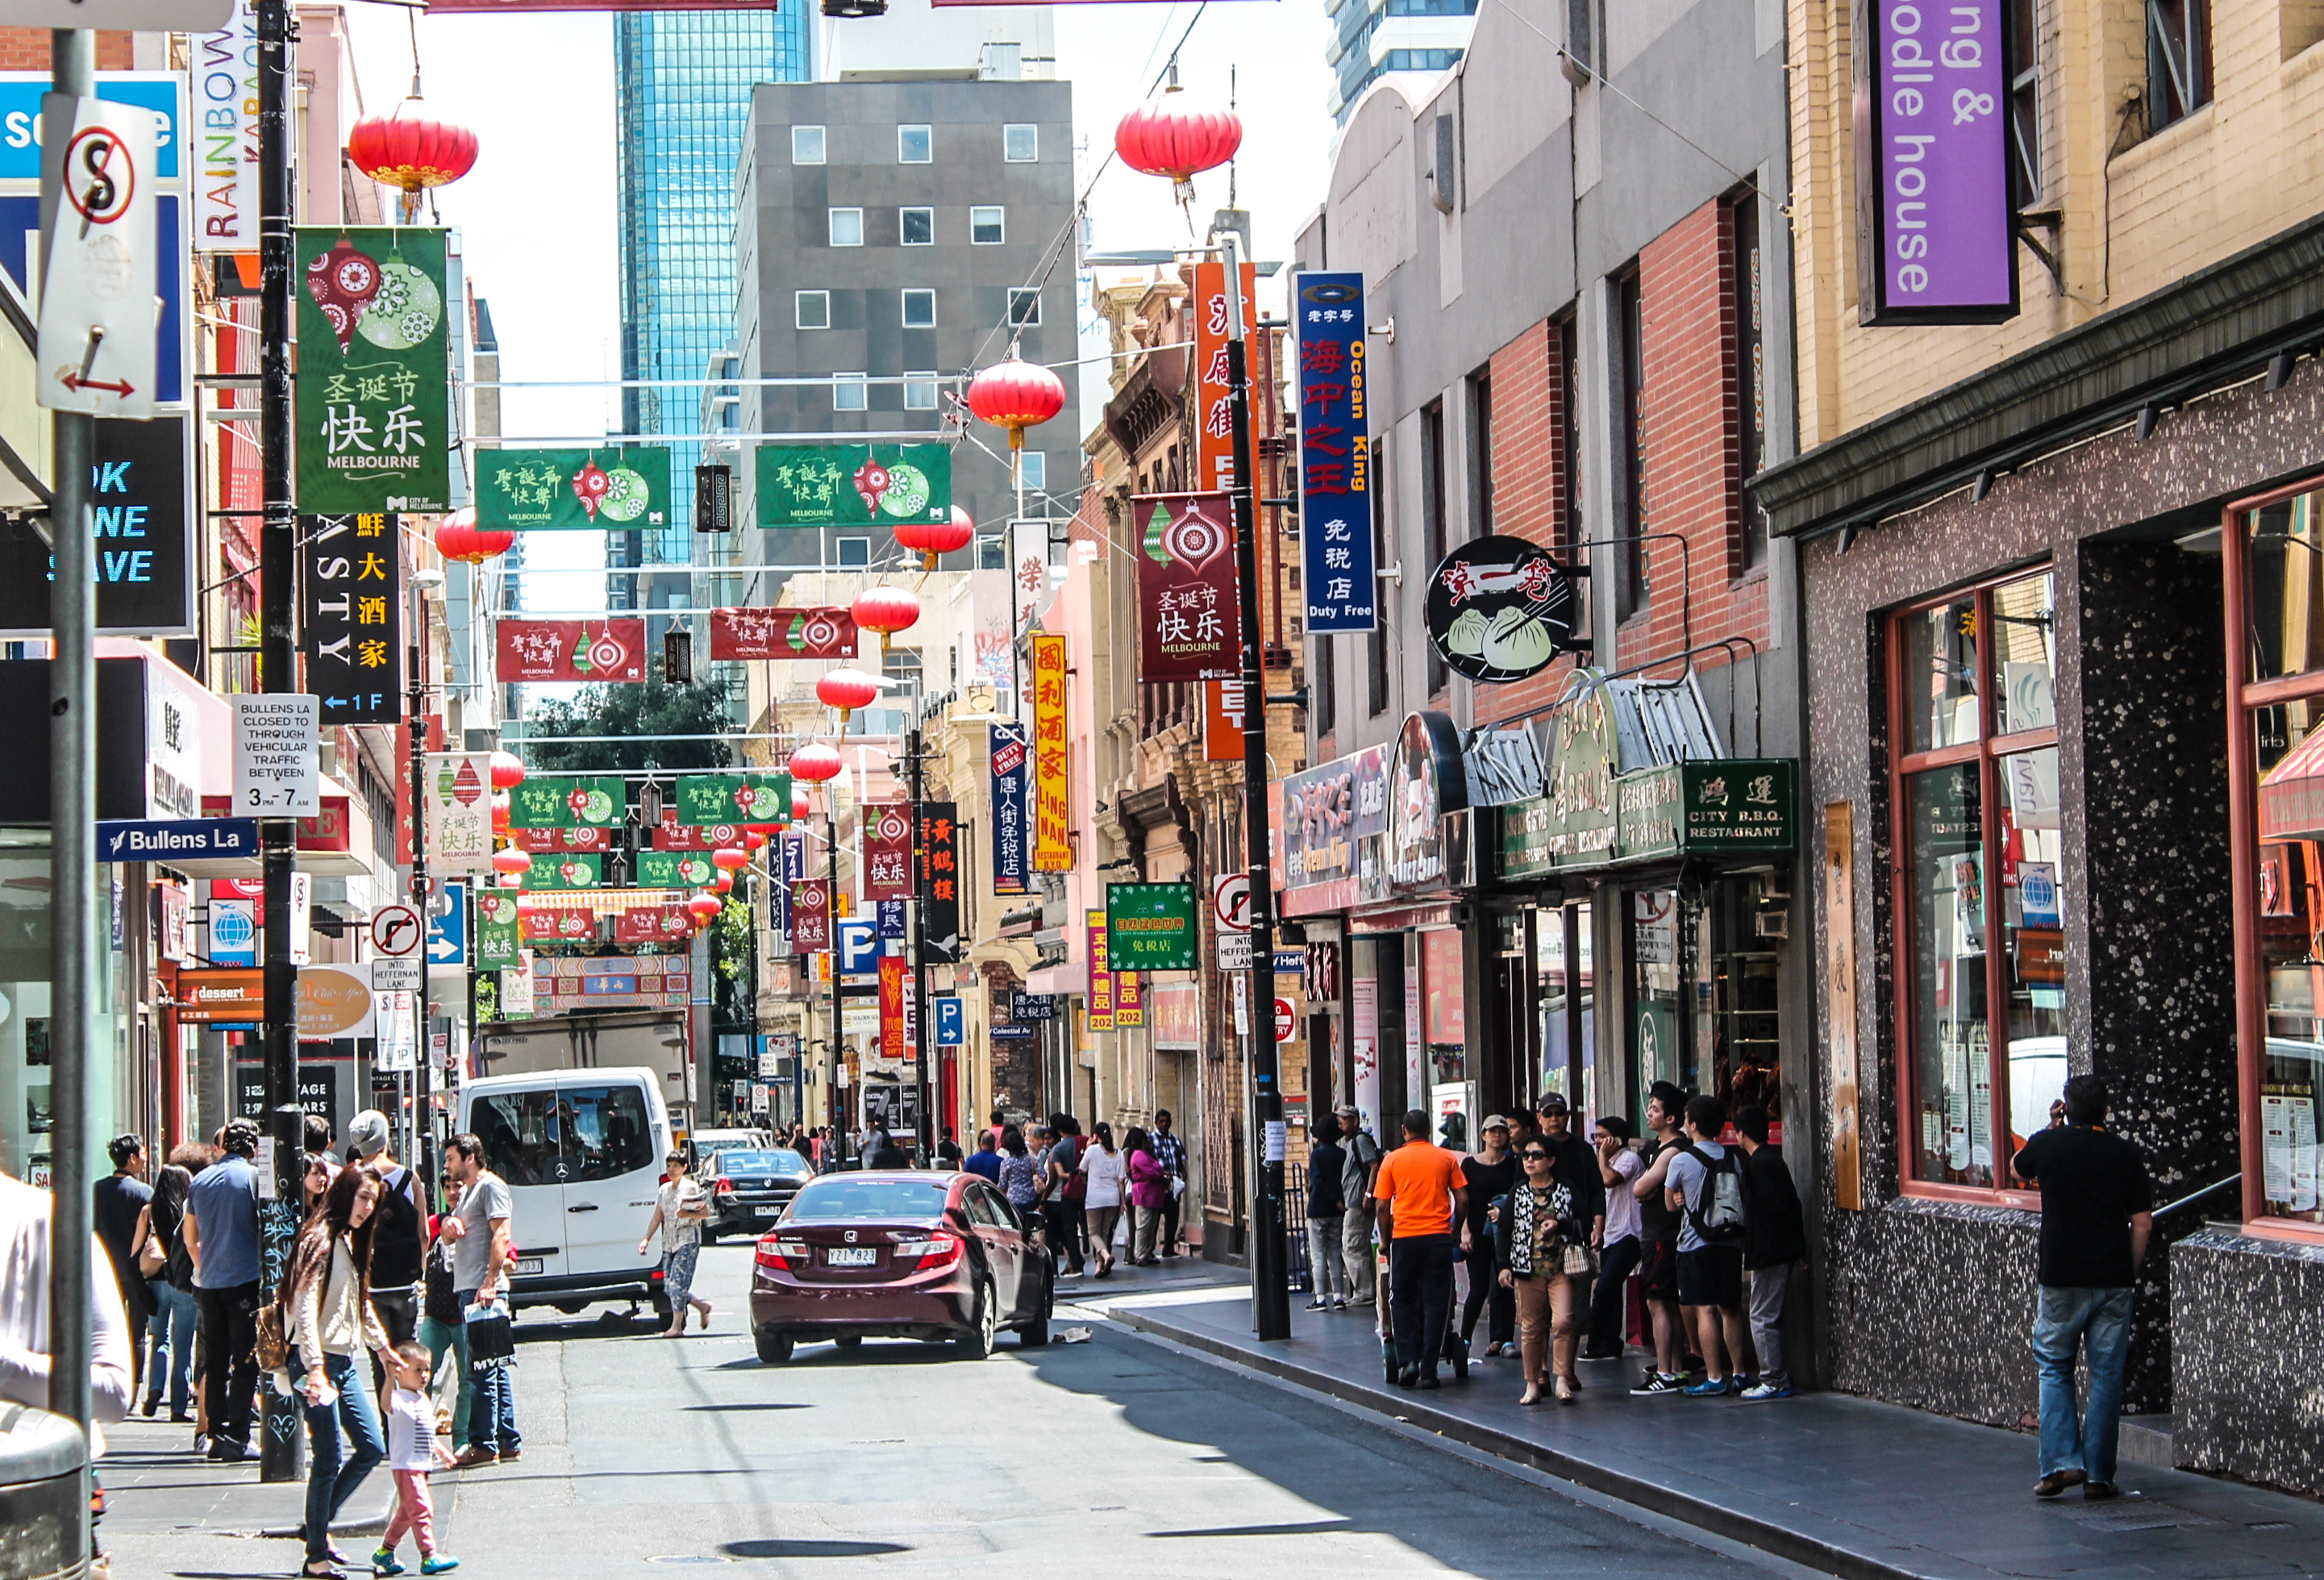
328,1298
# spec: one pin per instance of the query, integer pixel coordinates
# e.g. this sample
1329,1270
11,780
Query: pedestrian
1658,1251
1327,1208
316,1172
1487,1173
985,1161
325,1296
1149,1188
1573,1164
221,1232
1060,1209
160,1258
992,1131
315,1141
1358,1210
681,1207
1775,1242
413,1451
1703,1186
1618,1167
398,1237
2096,1218
441,1328
1420,1199
1522,1128
1170,1152
480,1254
882,1152
119,1201
1539,1241
1107,1173
1019,1176
948,1149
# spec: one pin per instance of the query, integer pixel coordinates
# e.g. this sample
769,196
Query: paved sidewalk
1841,1484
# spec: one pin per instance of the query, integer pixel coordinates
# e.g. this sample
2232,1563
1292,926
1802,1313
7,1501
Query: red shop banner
891,1007
886,853
571,650
695,837
653,924
810,915
782,633
1187,608
560,841
560,926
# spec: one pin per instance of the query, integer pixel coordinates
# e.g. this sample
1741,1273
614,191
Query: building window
1984,887
2025,101
806,146
985,226
847,227
919,310
915,145
993,553
1481,453
1749,275
919,391
1568,532
847,391
1025,305
2178,61
1033,468
851,553
811,309
1323,683
1020,144
1436,531
1630,403
916,226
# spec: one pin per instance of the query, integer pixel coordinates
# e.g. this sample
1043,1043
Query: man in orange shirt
1420,1197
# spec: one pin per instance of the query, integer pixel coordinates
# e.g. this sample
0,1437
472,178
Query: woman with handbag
327,1296
1542,1243
680,1209
1150,1192
169,1273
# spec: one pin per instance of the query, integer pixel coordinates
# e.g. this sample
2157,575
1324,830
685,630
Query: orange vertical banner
1128,1000
1213,395
1101,986
1053,847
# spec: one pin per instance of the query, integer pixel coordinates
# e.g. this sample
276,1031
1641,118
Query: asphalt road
645,1456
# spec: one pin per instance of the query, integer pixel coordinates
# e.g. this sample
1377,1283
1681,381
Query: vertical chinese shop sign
1335,469
1187,604
886,853
940,942
374,425
351,571
1214,395
1010,872
1101,987
892,989
1053,848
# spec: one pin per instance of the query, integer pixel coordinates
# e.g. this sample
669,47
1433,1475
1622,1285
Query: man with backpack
1704,1189
1361,1155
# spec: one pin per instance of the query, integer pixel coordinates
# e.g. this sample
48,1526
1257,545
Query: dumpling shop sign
1500,609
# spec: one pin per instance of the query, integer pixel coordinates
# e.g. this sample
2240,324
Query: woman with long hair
1149,1190
157,1245
681,1207
1020,1179
1108,1174
326,1294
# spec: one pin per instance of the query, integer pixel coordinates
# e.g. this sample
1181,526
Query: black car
750,1189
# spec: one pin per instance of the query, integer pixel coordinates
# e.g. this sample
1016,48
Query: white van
582,1153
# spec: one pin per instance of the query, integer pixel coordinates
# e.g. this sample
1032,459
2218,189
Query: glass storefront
1563,955
27,1112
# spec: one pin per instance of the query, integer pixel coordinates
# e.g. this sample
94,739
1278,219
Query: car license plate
851,1256
527,1264
768,1212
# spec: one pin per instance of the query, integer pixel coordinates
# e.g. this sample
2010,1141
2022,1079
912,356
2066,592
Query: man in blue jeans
479,1272
2095,1218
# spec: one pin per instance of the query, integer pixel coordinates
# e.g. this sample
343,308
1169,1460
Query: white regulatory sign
397,937
101,270
278,770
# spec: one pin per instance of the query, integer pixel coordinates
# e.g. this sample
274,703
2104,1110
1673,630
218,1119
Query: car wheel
661,1306
849,1341
976,1344
1035,1334
774,1348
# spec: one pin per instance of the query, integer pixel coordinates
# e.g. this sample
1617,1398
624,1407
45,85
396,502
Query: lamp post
422,582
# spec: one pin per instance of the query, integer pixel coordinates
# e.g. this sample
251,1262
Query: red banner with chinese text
810,915
886,853
891,1007
653,924
1053,846
1213,395
1188,610
781,633
533,651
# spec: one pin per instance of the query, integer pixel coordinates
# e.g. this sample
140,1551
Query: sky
538,218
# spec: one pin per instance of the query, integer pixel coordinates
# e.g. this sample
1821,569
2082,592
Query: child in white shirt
413,1450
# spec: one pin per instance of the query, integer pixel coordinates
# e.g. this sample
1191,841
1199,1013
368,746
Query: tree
644,716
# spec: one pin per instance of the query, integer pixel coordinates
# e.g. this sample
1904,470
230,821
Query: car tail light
781,1255
940,1250
725,1187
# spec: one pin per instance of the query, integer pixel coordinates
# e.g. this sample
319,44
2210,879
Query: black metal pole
837,1104
916,943
416,719
1270,1296
278,1439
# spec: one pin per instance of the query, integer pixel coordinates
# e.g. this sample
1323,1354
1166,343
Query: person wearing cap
1489,1172
680,1208
1361,1155
399,1236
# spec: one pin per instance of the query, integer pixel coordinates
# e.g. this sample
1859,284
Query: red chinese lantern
458,537
1016,394
801,807
411,151
501,813
815,762
730,859
849,689
508,770
512,863
723,883
933,538
512,880
1176,137
527,908
754,838
886,610
704,906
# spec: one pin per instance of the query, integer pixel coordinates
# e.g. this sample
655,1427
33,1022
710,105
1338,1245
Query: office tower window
847,227
1020,144
1024,305
847,391
853,553
806,146
811,309
914,145
919,310
918,226
919,391
1034,467
992,554
985,228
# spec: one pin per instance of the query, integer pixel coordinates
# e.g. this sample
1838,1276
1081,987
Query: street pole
1271,1296
926,1127
416,717
72,820
831,959
279,1437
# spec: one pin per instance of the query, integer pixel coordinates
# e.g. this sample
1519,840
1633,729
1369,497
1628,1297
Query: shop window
1984,889
2285,582
2178,61
1444,1018
1569,1027
1655,1034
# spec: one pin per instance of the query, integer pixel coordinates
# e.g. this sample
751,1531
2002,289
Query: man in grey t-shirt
479,1230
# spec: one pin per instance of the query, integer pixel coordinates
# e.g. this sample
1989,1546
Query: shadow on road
778,1547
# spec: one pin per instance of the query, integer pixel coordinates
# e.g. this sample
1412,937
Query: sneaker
1360,1302
1741,1384
2057,1481
1766,1391
2099,1492
1656,1385
438,1564
383,1562
1709,1388
1319,1305
1341,1304
470,1458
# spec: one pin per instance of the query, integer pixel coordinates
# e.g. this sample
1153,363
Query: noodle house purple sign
1935,212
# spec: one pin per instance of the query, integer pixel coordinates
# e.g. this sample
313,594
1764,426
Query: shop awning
2292,795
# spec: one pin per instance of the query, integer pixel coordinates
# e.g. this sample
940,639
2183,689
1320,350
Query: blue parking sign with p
952,1023
859,946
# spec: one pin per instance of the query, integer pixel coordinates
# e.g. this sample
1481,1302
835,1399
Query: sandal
321,1569
1532,1394
1564,1391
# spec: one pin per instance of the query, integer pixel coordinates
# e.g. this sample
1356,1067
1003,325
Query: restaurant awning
2292,795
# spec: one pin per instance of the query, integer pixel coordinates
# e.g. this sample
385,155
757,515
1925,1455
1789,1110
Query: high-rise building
684,99
1372,38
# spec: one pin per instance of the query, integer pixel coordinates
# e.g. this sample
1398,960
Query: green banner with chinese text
611,488
374,428
853,484
596,801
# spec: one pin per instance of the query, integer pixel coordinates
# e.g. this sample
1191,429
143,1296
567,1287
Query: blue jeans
2097,1320
172,1330
492,1419
443,1338
331,1481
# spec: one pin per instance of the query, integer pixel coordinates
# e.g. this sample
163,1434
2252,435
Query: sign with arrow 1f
100,255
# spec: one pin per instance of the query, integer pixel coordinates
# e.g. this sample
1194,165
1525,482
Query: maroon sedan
899,1255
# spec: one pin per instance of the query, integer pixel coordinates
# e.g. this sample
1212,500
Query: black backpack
1717,1213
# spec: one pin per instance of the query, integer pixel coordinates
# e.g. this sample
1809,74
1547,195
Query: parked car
749,1189
708,1143
896,1254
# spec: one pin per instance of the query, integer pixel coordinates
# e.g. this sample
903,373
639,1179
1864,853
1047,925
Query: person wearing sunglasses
1536,1238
